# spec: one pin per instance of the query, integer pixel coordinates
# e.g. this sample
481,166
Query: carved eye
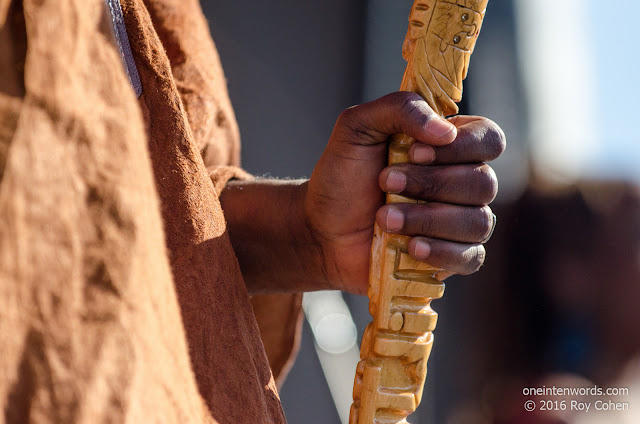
465,17
456,39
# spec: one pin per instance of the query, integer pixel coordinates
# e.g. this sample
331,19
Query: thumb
401,112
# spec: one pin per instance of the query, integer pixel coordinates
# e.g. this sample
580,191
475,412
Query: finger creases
465,224
478,140
459,258
469,184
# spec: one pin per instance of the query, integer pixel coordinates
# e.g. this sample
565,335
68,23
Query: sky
581,68
617,58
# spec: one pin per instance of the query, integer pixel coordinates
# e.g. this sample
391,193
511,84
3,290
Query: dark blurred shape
564,299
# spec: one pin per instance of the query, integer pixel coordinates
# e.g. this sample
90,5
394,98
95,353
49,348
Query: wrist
305,245
271,235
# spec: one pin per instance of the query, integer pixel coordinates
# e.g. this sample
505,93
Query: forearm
275,249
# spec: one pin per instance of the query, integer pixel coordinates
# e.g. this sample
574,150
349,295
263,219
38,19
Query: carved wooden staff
396,344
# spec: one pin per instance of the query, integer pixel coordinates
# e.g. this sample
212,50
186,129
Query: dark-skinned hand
447,169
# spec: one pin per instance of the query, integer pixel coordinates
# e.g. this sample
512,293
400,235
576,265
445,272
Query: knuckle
352,126
347,115
347,120
487,183
495,141
409,99
480,221
430,187
486,226
413,108
475,259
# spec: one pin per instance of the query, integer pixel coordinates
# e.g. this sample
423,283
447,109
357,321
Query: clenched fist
446,169
317,234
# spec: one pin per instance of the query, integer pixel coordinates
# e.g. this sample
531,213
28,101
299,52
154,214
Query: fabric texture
121,299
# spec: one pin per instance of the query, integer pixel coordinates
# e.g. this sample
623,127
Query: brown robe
121,299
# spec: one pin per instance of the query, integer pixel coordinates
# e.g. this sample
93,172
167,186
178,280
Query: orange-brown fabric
198,76
90,328
280,322
121,299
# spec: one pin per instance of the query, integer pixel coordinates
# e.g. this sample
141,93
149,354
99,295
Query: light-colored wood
396,344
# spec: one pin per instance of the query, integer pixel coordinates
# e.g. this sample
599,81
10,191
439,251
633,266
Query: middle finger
471,184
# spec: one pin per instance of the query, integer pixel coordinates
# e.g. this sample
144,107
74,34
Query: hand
447,169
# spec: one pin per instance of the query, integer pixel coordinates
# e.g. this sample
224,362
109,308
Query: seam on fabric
122,39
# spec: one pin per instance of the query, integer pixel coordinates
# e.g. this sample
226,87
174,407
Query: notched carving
396,345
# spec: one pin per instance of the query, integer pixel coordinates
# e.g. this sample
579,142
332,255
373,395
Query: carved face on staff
438,77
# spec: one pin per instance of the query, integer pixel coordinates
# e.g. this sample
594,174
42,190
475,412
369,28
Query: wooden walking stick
396,344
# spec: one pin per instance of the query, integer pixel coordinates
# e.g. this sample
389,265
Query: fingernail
395,220
423,153
396,181
422,249
442,129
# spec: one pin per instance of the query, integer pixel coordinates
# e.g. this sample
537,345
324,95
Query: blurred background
558,301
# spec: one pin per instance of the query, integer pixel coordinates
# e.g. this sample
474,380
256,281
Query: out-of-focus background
558,301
